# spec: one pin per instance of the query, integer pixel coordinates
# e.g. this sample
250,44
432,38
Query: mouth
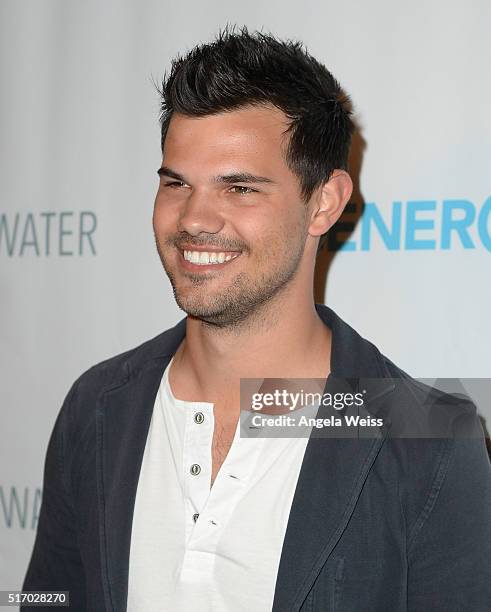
194,259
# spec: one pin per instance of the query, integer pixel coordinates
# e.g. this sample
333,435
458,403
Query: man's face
253,224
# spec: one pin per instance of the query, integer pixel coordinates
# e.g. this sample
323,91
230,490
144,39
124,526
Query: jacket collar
351,354
123,414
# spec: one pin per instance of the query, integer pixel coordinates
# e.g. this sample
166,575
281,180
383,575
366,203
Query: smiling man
152,498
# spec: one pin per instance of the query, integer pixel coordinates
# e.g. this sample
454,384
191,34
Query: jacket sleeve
449,547
56,563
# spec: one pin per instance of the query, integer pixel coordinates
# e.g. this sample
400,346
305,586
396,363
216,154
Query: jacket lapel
124,412
331,477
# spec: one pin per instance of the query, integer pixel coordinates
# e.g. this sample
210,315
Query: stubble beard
243,301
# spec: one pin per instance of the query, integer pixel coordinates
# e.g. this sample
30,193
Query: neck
284,338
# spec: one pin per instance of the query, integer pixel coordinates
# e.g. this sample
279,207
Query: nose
200,214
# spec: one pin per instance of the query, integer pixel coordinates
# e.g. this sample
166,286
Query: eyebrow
235,177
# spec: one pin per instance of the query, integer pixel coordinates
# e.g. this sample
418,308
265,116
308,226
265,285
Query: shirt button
195,517
195,469
199,417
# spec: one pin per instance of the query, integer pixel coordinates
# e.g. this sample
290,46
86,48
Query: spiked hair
240,69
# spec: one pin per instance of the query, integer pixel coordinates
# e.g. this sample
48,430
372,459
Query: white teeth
203,258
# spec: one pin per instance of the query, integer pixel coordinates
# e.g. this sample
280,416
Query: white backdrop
79,145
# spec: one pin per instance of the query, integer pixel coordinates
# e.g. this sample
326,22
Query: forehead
246,135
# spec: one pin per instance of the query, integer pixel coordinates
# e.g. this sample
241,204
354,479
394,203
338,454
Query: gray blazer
377,524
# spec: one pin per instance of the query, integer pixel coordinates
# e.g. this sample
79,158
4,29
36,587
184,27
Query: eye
174,184
241,187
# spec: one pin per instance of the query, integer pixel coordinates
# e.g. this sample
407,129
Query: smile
205,258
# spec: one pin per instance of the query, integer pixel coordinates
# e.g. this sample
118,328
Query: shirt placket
196,466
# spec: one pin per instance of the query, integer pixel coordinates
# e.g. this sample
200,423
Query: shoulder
427,408
118,368
435,442
81,399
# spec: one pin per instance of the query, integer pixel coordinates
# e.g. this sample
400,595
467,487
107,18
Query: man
152,500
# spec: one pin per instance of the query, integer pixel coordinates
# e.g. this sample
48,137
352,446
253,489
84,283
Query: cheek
269,243
272,232
163,216
283,229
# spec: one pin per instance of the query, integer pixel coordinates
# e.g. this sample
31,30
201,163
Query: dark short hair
239,69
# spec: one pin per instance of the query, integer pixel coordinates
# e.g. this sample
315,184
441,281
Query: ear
329,202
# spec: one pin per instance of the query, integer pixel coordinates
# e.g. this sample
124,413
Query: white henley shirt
196,549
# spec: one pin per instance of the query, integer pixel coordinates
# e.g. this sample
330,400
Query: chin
195,307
